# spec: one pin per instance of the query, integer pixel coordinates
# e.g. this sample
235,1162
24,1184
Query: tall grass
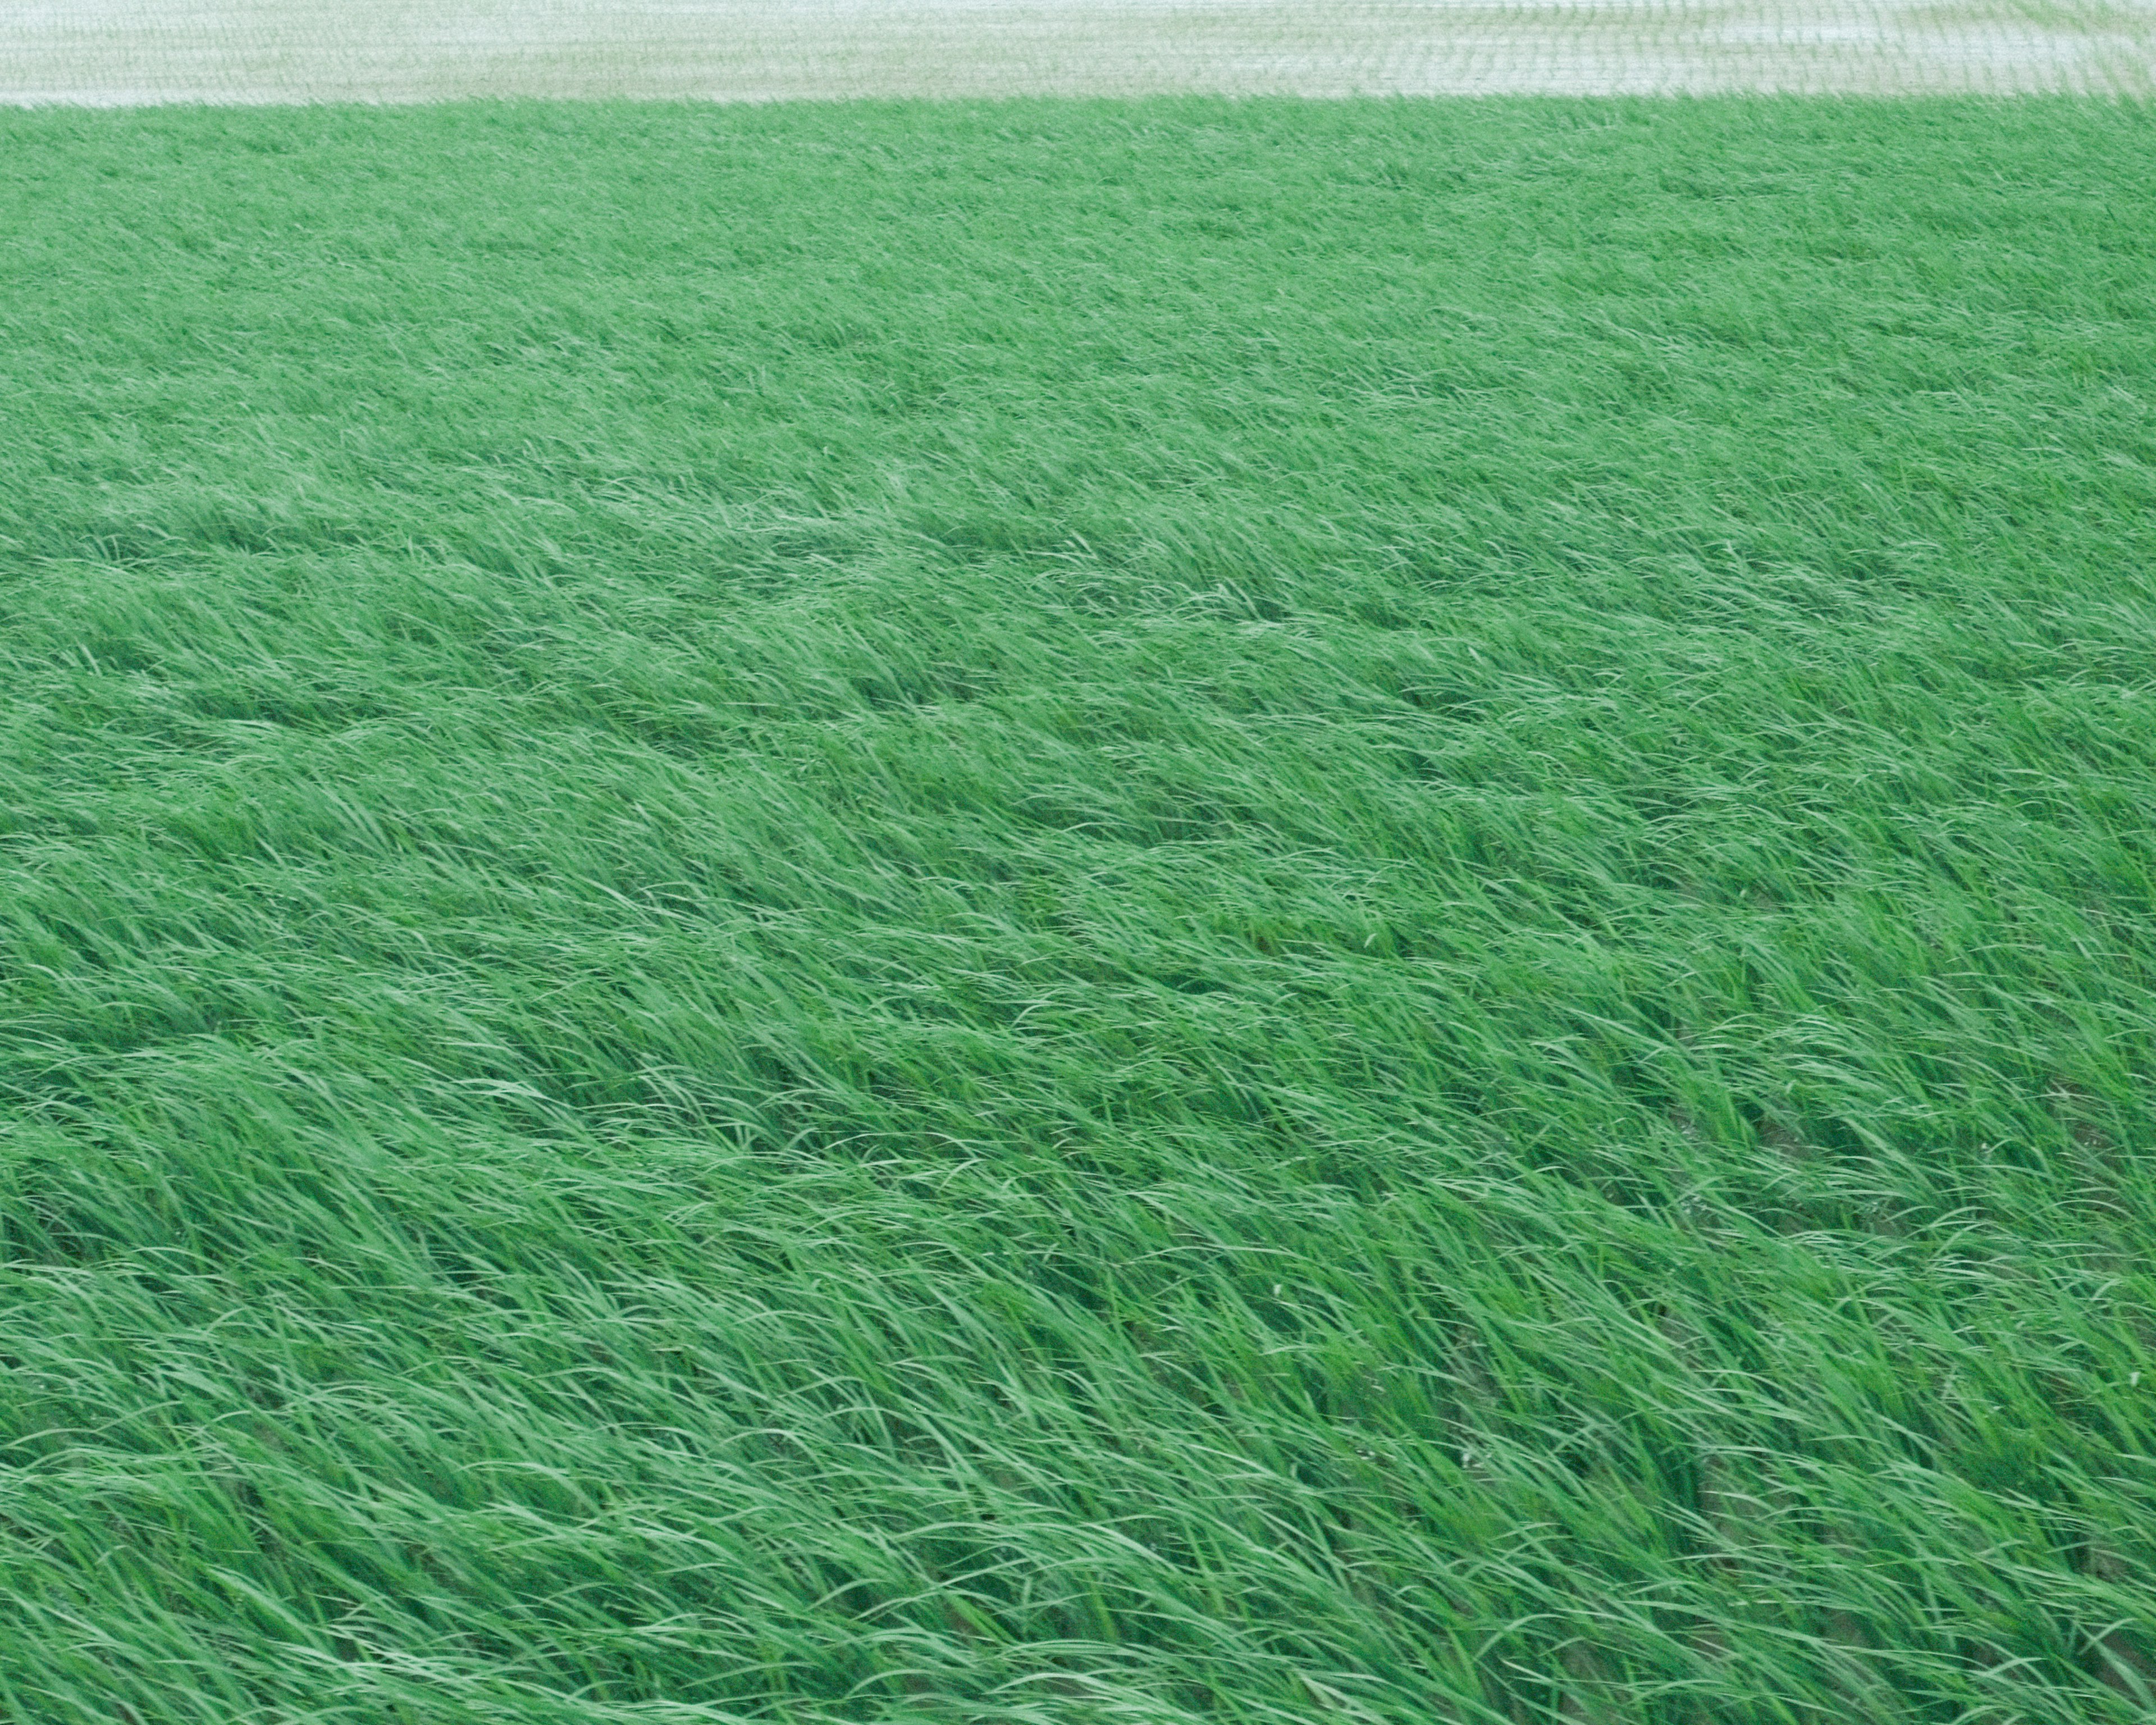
1079,914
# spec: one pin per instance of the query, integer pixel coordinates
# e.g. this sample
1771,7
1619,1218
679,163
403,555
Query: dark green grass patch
1063,914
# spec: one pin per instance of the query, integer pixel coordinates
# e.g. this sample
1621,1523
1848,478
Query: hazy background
128,51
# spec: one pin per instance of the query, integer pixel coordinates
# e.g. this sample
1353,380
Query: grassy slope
1074,914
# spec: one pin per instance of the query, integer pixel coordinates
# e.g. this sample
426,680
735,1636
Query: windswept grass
1072,914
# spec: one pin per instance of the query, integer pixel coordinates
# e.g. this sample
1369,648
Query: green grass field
1079,914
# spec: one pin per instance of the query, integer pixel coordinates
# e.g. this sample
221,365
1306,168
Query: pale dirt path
113,52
